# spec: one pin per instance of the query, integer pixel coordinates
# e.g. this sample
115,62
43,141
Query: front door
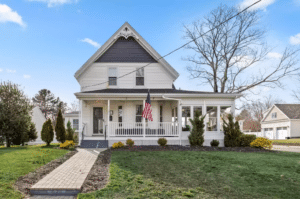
98,120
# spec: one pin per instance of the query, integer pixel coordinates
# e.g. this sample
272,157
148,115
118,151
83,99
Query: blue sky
44,42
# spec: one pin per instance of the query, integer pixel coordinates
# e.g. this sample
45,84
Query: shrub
60,128
70,132
130,142
186,128
261,142
162,141
118,145
76,139
47,133
214,143
67,144
196,137
232,132
245,140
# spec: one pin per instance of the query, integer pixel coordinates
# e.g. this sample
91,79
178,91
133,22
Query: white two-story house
114,88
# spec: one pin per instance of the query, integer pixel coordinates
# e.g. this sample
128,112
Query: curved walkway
67,179
286,148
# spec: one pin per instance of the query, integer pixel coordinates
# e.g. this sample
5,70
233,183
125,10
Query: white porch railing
153,129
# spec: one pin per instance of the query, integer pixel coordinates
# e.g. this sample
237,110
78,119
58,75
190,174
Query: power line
180,46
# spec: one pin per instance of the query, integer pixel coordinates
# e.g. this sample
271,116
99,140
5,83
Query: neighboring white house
73,117
38,118
113,106
282,121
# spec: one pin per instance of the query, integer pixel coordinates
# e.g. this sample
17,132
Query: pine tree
47,133
196,137
32,133
232,132
60,128
70,132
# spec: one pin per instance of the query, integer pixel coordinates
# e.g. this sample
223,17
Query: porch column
80,122
204,113
144,121
218,119
108,110
179,116
233,110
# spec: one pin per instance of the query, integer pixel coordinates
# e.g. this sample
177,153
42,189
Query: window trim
117,74
274,115
139,86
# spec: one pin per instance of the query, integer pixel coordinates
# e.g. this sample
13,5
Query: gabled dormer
124,52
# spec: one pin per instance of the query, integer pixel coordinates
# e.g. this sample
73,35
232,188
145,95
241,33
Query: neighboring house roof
292,111
126,30
70,114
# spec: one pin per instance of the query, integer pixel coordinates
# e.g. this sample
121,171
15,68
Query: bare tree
74,106
224,55
257,107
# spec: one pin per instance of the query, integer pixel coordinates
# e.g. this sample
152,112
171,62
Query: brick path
69,176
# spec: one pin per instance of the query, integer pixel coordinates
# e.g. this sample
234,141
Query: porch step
93,144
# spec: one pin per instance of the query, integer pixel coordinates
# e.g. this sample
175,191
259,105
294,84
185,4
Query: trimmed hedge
245,140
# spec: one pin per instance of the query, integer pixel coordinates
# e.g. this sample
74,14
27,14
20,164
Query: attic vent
126,29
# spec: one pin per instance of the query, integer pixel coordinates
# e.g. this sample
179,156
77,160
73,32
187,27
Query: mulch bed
188,148
99,174
24,183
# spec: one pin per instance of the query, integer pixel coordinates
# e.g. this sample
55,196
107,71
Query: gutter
172,99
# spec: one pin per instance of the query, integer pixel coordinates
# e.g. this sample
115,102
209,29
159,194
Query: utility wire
180,46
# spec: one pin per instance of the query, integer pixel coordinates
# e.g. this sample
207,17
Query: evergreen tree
232,132
47,133
196,137
70,132
60,128
32,133
15,111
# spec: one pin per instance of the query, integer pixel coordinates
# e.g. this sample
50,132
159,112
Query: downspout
178,112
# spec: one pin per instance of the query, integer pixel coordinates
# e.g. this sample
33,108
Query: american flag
147,112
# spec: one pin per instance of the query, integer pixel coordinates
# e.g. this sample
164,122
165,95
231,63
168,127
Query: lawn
198,174
18,161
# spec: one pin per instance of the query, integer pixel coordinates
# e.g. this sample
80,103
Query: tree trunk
7,142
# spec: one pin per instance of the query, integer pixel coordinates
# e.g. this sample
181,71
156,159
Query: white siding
155,76
295,128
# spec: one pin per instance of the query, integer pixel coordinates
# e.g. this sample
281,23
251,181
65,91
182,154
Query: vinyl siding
155,76
295,128
280,115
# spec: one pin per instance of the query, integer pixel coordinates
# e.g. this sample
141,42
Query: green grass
19,161
195,174
287,141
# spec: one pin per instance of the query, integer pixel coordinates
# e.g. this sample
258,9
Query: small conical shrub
196,137
47,133
232,132
32,133
70,132
60,128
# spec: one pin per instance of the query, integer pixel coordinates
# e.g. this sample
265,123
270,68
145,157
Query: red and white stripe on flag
147,112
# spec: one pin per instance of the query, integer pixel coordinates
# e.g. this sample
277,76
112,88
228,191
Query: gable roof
292,111
129,32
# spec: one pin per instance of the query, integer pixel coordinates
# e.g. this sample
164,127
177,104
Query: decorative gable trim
129,32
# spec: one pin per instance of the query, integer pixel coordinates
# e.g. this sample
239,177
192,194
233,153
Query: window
112,76
138,113
186,115
274,115
211,114
76,124
224,112
120,113
140,77
111,115
198,108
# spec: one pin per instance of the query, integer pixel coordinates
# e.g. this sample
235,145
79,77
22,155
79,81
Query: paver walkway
70,175
286,148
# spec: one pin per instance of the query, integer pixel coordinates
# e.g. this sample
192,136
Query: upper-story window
274,115
112,76
140,77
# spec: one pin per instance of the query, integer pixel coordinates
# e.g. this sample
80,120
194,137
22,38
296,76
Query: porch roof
153,92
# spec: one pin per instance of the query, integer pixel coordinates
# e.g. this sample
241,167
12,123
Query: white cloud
52,3
274,55
261,5
26,76
295,40
7,15
10,71
1,70
93,43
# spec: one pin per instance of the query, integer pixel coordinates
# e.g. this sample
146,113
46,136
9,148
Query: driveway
286,148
